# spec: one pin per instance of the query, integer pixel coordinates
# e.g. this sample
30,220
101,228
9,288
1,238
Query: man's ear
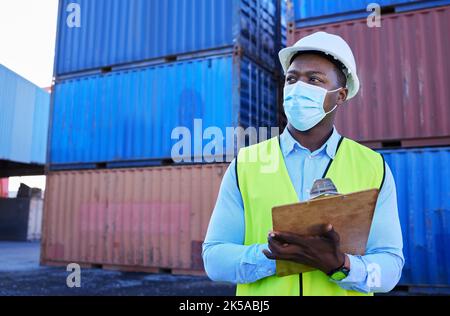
342,96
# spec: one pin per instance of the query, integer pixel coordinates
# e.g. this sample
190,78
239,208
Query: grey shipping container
20,219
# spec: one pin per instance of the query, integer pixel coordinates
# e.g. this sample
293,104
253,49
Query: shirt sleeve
224,255
379,270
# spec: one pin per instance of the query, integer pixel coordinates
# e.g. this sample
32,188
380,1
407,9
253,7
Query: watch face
338,276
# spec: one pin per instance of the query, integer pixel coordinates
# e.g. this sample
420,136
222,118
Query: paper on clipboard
350,214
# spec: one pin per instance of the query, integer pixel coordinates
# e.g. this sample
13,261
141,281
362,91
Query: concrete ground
20,274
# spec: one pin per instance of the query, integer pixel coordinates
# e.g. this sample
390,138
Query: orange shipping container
4,187
404,69
142,219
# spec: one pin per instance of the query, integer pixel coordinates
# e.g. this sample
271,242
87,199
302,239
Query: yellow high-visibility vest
264,182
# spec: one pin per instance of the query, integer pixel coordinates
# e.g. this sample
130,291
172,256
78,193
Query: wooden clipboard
350,214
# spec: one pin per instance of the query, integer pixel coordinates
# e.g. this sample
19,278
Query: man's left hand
321,252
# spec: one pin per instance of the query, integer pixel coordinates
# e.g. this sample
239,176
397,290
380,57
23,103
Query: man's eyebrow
310,72
315,72
293,71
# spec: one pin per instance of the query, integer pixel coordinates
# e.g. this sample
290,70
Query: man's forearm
236,263
378,272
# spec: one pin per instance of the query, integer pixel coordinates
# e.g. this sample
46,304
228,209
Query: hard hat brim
285,55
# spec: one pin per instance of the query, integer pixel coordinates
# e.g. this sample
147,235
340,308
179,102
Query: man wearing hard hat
240,246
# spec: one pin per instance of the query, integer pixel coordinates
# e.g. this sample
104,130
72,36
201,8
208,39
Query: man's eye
290,79
315,80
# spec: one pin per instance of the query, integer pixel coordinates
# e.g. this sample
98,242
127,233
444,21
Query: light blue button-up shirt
227,259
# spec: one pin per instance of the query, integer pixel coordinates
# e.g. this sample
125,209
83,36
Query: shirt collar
289,144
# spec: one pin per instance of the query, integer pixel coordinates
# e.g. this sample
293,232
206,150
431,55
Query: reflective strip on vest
264,182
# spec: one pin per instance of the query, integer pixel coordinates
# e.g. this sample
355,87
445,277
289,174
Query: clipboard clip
322,188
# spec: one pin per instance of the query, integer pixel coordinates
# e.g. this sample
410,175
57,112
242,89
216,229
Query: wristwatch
340,273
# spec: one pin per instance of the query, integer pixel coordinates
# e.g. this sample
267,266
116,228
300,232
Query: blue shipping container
128,116
24,117
304,13
423,191
114,32
283,8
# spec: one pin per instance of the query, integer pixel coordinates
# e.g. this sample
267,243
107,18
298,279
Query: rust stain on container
404,71
138,218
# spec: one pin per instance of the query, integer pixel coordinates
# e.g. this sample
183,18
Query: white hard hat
329,44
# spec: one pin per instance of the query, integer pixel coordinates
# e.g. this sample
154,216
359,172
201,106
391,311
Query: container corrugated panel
4,187
130,115
404,70
423,194
24,119
284,8
305,13
114,32
136,218
35,219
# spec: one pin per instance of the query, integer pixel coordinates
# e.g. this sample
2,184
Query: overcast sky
27,46
27,38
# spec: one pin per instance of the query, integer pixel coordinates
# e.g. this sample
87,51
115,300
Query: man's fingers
327,228
275,256
272,254
329,232
289,238
275,246
268,254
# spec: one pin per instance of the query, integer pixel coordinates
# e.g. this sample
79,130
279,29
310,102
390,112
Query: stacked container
127,74
24,116
401,110
140,219
131,72
423,194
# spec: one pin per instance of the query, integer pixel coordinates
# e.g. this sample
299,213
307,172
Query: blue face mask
303,105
